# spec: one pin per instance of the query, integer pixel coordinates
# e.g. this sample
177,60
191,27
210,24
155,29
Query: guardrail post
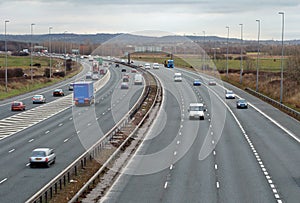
75,170
55,188
60,184
68,177
51,192
41,199
64,180
46,196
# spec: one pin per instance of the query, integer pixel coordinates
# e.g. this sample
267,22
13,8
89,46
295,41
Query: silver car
42,156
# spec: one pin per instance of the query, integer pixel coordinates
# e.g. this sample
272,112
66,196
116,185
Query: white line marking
48,131
214,153
66,140
171,167
10,151
218,184
31,140
27,164
216,166
60,124
70,118
166,184
175,153
78,131
2,181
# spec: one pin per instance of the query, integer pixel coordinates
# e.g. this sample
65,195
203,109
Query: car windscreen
196,108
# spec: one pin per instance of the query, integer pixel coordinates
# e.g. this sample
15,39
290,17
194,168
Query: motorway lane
232,173
58,132
278,151
5,105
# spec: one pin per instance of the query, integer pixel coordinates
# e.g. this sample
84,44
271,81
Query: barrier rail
275,103
61,180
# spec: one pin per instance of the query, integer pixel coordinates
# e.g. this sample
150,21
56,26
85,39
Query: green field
22,61
265,64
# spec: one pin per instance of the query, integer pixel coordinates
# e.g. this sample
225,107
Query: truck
170,63
83,93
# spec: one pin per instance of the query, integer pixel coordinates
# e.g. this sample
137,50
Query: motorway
69,132
234,155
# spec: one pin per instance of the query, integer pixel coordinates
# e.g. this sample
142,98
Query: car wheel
31,165
48,164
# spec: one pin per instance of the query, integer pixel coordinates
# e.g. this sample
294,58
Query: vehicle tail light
46,159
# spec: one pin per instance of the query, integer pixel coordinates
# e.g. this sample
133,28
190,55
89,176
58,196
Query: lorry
83,93
177,77
138,79
170,63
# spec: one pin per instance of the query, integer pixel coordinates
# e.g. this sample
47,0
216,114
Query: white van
177,77
138,79
196,111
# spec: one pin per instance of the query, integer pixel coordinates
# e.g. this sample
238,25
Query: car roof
196,104
41,149
38,95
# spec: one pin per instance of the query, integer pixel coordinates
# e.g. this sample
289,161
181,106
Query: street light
65,53
241,63
227,51
204,56
50,51
282,34
5,55
258,52
31,73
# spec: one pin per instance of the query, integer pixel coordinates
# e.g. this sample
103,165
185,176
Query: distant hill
103,37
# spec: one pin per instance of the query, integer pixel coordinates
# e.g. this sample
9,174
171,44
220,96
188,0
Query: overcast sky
189,17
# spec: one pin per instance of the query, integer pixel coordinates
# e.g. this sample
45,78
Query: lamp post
50,52
227,51
31,73
5,22
241,61
204,57
258,52
65,53
282,49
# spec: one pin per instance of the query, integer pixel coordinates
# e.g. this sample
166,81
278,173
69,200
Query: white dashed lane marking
12,150
3,180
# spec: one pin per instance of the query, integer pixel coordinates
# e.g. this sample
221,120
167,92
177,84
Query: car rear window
16,104
38,154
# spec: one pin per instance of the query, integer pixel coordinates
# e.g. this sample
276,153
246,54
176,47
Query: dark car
58,92
117,65
241,104
18,106
123,70
197,82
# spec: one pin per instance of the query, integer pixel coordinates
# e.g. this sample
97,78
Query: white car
229,94
147,66
155,66
177,77
196,111
42,156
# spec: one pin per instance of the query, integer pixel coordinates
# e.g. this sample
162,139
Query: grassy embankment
21,85
269,76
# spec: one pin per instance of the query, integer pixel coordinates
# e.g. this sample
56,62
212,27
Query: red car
18,106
